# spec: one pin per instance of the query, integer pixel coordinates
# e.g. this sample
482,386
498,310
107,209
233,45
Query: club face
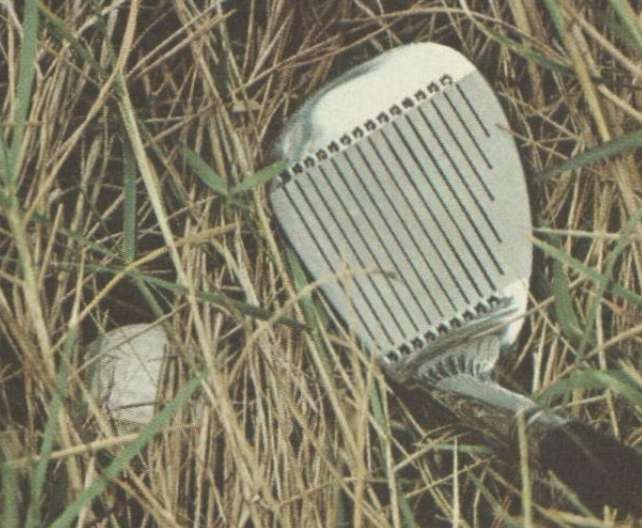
407,196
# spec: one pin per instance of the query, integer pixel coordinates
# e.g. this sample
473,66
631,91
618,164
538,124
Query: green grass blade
559,289
622,34
314,320
468,449
38,482
9,517
207,175
493,501
593,379
563,301
629,20
102,26
219,299
619,385
559,20
130,227
587,271
563,305
312,316
214,298
4,162
573,499
76,236
28,48
524,51
341,518
119,463
622,243
384,433
406,512
261,177
603,279
59,28
606,150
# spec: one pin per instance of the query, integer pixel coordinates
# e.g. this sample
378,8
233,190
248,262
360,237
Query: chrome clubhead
404,178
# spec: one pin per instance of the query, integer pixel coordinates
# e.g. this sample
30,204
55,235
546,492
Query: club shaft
495,411
596,466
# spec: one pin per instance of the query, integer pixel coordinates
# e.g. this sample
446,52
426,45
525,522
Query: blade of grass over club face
207,175
312,315
321,354
121,462
619,145
260,178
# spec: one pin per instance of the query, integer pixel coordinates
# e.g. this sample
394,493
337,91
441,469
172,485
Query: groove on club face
427,212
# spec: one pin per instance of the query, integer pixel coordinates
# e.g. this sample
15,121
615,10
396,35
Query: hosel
497,413
596,466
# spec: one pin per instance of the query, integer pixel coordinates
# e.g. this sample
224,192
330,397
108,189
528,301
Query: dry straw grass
104,221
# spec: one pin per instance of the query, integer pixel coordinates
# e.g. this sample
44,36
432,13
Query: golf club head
405,185
126,373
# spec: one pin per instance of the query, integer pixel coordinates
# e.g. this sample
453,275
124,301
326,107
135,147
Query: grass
134,167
